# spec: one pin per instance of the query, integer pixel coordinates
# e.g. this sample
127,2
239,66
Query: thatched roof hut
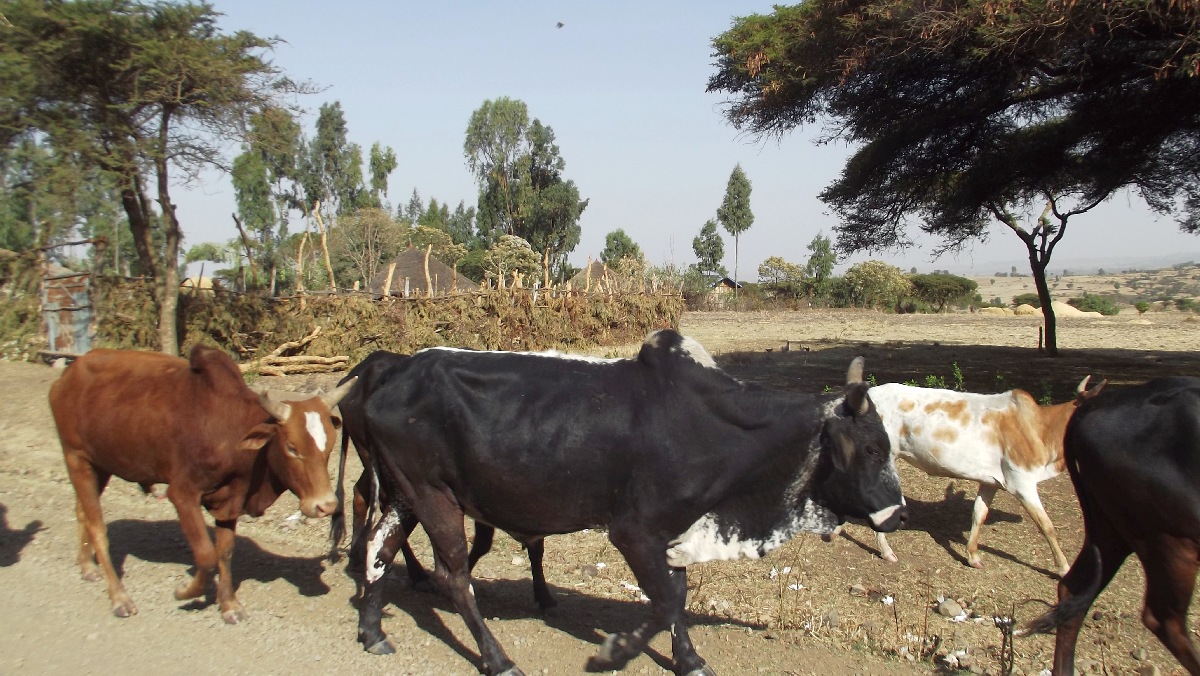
595,277
409,272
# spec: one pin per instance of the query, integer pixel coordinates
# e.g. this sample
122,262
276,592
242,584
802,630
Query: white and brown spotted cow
1001,440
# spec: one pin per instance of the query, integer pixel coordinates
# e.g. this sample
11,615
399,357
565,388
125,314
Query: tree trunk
168,288
1038,267
133,200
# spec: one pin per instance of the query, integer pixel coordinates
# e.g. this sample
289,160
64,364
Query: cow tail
1072,607
337,522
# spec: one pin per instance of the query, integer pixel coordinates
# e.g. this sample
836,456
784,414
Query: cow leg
443,521
356,559
667,589
1028,497
983,503
89,483
418,577
484,536
191,520
383,540
541,591
231,610
1171,567
1099,560
885,550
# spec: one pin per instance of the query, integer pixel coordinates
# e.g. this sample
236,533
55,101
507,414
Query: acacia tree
134,90
734,212
967,113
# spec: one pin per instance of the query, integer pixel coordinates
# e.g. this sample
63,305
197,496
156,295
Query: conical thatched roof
410,264
599,272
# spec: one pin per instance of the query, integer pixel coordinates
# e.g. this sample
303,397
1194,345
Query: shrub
1102,304
1141,306
1027,299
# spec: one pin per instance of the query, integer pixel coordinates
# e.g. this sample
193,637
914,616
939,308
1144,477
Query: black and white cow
679,461
1134,457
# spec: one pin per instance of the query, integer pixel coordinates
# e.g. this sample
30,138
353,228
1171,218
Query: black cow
679,461
1134,458
373,372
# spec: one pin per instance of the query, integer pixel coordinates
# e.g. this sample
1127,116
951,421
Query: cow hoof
607,659
976,564
383,647
512,671
704,670
92,575
890,558
124,609
184,592
547,603
234,616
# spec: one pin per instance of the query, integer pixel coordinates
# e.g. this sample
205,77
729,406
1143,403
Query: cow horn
279,410
1082,394
855,374
331,399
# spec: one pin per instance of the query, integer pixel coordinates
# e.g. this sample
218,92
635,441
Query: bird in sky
560,24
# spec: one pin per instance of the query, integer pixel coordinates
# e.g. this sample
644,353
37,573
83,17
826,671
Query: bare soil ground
793,612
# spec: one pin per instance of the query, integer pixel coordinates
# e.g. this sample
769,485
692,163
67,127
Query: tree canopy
734,213
521,188
133,90
965,113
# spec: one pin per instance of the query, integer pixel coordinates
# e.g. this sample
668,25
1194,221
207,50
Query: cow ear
843,449
856,399
256,438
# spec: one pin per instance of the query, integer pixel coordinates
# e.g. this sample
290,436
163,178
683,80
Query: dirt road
791,613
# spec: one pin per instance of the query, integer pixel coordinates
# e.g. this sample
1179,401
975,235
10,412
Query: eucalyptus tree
734,213
266,186
962,114
522,191
332,174
134,90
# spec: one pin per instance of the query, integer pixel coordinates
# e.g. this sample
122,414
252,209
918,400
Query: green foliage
938,289
961,116
1092,303
619,246
1027,299
781,277
876,284
734,213
1186,304
521,188
709,248
1141,306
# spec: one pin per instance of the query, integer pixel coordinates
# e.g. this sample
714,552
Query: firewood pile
279,364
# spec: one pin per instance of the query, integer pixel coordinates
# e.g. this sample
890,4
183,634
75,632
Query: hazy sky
623,86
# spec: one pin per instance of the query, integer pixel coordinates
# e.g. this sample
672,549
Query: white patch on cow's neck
703,541
375,567
316,428
692,348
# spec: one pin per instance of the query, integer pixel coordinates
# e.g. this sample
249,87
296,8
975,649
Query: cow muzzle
889,519
316,508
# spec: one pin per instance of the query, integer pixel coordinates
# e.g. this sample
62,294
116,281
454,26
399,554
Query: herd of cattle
680,462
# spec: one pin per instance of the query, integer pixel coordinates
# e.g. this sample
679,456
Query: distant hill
1078,265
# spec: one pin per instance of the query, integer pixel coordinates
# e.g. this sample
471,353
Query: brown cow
192,424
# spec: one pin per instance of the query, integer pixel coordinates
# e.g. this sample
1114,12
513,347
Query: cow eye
291,450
